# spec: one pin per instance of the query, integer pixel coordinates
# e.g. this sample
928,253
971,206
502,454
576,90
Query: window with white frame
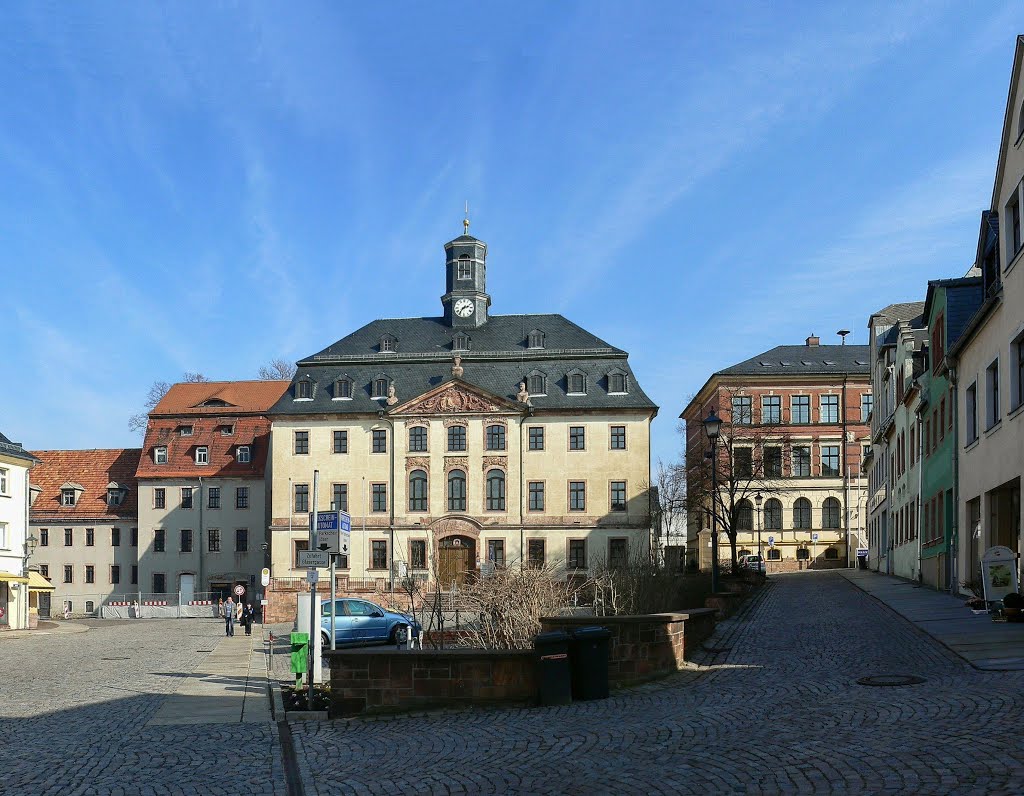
992,415
5,541
741,411
244,454
67,497
971,412
802,513
202,455
830,409
801,461
1012,221
830,460
866,402
388,344
800,409
3,480
186,431
1017,372
160,455
465,270
771,409
830,511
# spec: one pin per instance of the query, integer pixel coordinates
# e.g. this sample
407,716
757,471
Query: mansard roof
497,362
220,398
16,451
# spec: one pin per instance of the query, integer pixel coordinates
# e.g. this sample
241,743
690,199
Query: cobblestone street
74,721
780,712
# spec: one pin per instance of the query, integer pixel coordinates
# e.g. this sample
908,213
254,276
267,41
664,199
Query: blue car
363,622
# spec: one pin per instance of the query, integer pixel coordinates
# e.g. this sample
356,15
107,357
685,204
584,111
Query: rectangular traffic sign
325,520
314,558
334,541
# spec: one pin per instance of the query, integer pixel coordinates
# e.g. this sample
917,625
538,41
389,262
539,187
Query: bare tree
668,502
157,390
749,460
277,369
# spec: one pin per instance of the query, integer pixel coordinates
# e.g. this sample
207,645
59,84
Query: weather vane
465,221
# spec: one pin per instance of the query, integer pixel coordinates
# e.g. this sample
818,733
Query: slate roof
497,361
963,298
93,470
222,447
804,360
907,311
228,398
15,450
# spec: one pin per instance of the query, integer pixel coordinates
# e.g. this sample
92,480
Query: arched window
831,554
417,490
774,554
456,491
803,554
495,490
830,511
496,438
744,516
772,515
536,384
802,513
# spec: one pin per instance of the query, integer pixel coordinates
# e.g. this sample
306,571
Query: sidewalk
46,628
986,645
228,687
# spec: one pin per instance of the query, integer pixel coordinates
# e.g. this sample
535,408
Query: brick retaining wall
645,647
377,681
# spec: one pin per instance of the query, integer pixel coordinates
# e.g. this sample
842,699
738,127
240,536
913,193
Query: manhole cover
114,659
891,680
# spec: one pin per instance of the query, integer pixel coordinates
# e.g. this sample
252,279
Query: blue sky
194,187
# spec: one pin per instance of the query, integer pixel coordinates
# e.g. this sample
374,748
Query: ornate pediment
455,397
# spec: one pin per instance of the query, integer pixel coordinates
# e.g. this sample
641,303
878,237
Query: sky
206,187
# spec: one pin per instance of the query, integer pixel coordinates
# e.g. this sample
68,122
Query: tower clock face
464,308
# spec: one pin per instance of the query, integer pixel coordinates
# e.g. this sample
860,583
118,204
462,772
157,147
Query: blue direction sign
345,521
325,520
771,541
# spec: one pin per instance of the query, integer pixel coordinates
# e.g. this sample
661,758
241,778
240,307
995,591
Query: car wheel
325,641
395,631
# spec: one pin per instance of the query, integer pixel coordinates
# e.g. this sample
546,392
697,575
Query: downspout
846,502
522,485
954,537
920,488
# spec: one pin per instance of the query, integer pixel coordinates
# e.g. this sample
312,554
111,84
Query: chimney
812,341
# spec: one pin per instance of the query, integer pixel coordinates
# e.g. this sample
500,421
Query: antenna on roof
465,221
842,333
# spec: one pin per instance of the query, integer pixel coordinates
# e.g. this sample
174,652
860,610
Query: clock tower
465,300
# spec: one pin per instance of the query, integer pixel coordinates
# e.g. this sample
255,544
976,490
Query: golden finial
465,221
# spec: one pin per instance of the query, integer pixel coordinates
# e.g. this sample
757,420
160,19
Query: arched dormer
388,344
342,390
535,339
618,382
461,342
537,383
305,389
576,382
379,386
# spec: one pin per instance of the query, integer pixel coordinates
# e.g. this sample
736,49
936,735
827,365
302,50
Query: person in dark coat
247,616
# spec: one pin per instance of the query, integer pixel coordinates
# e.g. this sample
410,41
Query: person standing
229,617
247,617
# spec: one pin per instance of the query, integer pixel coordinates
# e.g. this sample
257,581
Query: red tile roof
211,398
222,437
91,469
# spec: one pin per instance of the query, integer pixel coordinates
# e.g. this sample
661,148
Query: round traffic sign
239,589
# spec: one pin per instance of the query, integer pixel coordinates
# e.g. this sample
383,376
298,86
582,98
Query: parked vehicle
363,622
753,563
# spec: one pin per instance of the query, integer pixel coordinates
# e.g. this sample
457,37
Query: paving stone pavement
75,707
779,712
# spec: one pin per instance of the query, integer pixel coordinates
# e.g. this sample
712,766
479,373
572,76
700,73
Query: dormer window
460,342
536,384
244,454
380,388
115,496
304,390
227,430
185,431
536,339
202,455
68,497
343,390
388,344
617,383
214,402
160,455
465,268
577,383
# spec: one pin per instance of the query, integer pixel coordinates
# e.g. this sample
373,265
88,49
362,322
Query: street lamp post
712,426
757,502
30,549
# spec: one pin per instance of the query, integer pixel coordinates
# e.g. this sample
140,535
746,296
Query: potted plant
1013,607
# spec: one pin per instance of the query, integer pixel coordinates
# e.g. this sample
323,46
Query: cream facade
989,362
15,464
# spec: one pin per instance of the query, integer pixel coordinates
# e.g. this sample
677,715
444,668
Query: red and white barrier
155,602
118,603
201,602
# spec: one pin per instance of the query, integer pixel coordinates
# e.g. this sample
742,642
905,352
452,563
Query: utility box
590,649
302,625
554,683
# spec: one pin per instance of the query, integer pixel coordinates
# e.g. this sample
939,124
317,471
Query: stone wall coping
419,655
674,616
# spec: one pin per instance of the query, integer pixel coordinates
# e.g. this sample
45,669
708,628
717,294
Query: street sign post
239,590
335,539
314,559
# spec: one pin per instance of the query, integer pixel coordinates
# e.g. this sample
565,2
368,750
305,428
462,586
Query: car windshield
359,608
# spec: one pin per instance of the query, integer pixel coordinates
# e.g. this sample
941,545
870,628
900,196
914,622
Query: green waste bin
300,653
554,683
589,650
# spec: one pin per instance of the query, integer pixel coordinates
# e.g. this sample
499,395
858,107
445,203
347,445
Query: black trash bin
590,649
554,682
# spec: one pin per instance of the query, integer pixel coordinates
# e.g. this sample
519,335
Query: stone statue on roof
457,369
392,398
523,396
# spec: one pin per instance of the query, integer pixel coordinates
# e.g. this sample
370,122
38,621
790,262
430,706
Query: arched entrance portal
456,561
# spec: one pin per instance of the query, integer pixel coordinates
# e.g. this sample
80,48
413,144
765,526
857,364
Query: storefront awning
37,582
12,578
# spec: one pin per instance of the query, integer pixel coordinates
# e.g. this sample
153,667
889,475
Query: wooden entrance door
453,563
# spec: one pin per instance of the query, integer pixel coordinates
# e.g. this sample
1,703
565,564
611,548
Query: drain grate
888,680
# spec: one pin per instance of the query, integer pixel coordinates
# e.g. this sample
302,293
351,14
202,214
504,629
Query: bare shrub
509,604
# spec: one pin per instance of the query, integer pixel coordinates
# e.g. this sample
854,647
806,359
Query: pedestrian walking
229,617
248,614
220,607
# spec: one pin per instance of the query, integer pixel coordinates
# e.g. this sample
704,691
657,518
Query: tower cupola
465,300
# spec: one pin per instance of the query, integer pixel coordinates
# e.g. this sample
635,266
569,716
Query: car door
342,625
370,624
